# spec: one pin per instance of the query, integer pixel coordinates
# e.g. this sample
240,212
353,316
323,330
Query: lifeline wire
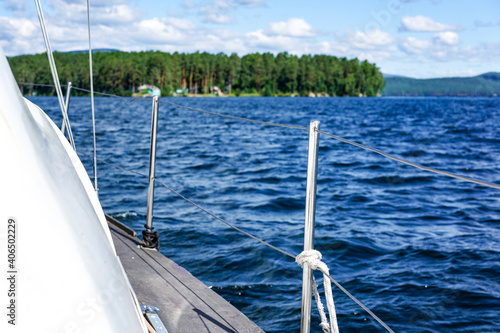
53,69
92,99
360,304
233,117
249,235
446,173
223,221
39,84
128,100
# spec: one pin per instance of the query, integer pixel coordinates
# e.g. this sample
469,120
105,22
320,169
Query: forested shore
254,74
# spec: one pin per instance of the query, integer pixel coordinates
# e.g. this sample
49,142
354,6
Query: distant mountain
385,75
487,84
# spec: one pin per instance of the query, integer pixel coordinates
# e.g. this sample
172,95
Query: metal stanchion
65,114
65,123
312,172
150,238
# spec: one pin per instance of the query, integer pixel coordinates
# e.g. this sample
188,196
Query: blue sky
416,38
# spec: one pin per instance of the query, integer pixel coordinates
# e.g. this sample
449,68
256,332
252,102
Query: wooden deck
186,304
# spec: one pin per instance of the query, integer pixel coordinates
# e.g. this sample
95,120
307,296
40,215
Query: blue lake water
420,250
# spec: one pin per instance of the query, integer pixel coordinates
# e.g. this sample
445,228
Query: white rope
312,258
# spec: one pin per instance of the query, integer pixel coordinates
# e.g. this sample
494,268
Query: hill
487,84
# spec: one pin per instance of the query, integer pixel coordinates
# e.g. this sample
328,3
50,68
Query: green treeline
254,74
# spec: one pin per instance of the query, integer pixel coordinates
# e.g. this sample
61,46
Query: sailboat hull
66,275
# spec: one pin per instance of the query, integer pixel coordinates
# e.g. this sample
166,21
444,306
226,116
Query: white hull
68,276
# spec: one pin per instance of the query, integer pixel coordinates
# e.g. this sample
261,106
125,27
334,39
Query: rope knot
325,326
313,259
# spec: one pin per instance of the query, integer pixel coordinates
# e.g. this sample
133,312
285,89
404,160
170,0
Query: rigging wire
40,84
233,117
446,173
92,100
223,221
125,99
358,302
247,234
53,68
436,171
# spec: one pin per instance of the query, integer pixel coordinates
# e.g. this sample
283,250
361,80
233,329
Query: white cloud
219,13
341,49
413,45
19,35
375,56
445,47
446,37
181,24
17,27
120,14
210,15
370,40
71,12
422,23
429,49
485,52
440,47
294,27
260,39
156,30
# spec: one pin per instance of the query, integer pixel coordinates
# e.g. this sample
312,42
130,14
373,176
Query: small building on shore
214,90
181,92
148,90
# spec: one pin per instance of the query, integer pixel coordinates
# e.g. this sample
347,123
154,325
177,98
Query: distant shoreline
487,84
253,96
262,74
